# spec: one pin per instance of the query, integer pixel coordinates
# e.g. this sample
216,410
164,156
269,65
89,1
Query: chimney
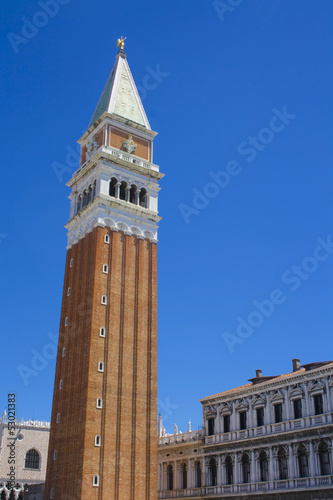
296,365
258,373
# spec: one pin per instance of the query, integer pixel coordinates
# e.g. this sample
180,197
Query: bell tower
103,440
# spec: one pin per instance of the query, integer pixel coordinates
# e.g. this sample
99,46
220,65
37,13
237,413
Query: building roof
267,380
120,95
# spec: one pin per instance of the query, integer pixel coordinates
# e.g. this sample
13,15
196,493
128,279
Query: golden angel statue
121,42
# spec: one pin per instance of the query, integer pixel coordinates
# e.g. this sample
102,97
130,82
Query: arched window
133,191
143,198
169,477
197,474
282,464
94,189
113,183
32,460
122,193
78,203
245,468
324,460
96,480
85,198
263,466
212,476
89,197
183,477
228,470
303,461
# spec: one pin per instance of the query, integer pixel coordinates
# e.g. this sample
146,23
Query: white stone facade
271,438
30,468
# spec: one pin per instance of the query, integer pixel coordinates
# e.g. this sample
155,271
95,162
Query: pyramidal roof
120,95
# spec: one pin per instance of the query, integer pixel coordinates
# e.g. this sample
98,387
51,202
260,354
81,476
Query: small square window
106,238
102,331
66,321
68,291
63,351
71,263
100,366
104,300
105,268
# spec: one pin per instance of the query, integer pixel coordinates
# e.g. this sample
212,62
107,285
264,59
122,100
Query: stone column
117,189
253,468
312,461
271,468
219,470
292,466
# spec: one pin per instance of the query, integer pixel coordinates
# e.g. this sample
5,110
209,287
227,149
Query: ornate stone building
269,439
31,445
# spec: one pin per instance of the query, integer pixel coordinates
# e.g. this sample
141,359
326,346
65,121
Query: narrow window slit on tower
96,480
71,263
97,440
66,321
100,366
99,403
102,331
60,384
105,268
106,238
104,300
68,291
58,418
63,351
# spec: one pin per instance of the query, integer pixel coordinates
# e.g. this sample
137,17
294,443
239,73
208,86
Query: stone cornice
116,214
116,157
269,439
282,383
115,120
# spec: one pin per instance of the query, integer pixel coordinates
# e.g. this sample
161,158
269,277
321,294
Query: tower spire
120,95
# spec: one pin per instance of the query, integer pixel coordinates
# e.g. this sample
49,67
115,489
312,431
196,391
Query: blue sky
243,108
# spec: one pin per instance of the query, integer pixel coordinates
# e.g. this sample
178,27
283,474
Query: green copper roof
120,96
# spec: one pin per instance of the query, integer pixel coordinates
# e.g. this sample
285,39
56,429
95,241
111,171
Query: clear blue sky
243,99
